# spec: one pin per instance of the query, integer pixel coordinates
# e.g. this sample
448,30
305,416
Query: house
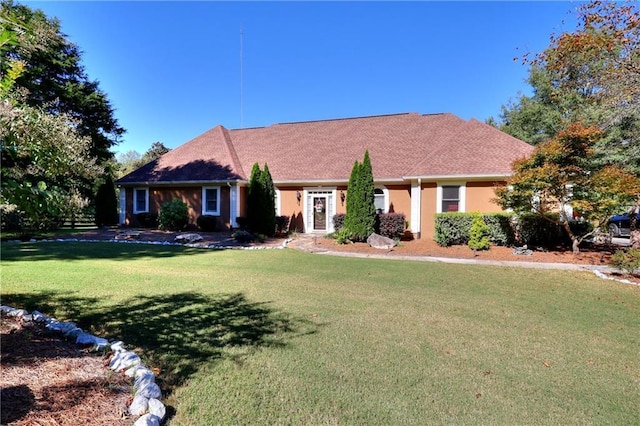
422,165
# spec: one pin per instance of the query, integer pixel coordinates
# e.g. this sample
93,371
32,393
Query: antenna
241,40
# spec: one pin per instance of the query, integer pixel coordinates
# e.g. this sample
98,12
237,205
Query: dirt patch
49,381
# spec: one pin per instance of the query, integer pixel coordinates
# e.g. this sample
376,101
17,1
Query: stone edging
607,277
146,401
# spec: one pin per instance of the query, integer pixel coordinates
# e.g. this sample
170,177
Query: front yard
285,337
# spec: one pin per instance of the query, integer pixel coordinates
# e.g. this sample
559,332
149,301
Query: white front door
320,209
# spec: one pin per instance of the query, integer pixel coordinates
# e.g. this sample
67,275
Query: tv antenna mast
241,76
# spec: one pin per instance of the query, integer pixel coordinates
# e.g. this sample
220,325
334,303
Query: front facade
422,165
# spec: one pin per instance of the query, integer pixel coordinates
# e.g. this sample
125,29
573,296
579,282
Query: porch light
298,196
342,197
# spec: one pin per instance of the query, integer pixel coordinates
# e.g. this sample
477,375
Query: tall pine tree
361,211
261,212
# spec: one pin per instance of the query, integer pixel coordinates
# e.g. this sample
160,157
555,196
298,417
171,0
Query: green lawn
285,337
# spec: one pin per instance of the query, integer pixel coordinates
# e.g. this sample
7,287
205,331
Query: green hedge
535,230
453,228
391,225
207,223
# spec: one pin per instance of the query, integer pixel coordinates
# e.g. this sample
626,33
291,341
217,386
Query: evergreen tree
106,204
361,211
254,198
352,201
268,222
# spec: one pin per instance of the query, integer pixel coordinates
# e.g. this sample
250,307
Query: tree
132,160
359,222
106,204
269,194
590,75
45,162
156,150
562,172
261,214
53,77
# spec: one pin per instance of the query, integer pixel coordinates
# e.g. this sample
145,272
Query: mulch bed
47,380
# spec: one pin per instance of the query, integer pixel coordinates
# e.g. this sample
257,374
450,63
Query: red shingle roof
401,145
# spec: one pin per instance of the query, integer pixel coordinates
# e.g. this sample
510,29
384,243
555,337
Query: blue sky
172,70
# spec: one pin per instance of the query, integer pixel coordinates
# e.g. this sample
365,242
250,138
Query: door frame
329,194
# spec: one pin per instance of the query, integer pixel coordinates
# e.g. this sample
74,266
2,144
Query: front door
319,213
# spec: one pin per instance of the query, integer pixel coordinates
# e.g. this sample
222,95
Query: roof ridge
231,151
348,118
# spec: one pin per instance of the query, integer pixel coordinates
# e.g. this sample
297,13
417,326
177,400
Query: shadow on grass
91,250
179,333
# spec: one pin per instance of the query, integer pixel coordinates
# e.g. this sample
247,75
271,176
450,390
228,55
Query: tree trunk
575,245
634,239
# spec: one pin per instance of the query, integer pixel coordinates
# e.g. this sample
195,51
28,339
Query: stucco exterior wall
289,206
479,196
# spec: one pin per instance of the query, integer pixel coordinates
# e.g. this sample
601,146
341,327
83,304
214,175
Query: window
450,199
380,200
211,200
141,200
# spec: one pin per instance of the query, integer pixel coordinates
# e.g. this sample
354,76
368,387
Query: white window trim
462,195
385,193
135,200
204,201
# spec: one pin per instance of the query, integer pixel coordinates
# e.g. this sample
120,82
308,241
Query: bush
174,215
342,236
454,228
147,220
282,224
391,225
10,218
207,223
243,236
626,260
242,222
478,234
338,221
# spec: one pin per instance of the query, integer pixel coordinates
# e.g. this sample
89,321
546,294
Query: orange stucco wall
479,196
428,209
289,206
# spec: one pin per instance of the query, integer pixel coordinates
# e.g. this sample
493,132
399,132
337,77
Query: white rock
188,238
85,339
144,380
17,313
157,408
74,332
6,309
149,390
139,405
131,371
124,360
148,420
39,316
117,346
100,344
142,372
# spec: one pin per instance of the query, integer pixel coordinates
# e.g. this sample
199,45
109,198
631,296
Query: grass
284,337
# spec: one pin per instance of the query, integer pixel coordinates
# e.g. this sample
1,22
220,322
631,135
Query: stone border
146,402
604,276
